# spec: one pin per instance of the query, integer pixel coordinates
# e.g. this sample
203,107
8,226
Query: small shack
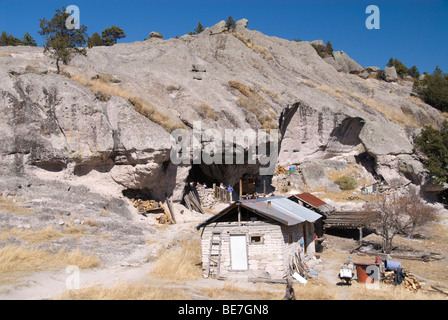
257,238
315,204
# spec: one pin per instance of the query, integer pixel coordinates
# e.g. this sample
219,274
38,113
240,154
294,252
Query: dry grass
183,263
253,46
271,94
49,234
394,115
16,261
126,291
208,112
12,206
381,291
253,102
103,89
232,291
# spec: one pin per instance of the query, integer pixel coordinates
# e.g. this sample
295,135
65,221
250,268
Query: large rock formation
113,110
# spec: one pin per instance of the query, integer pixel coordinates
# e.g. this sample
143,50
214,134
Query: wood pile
346,219
409,281
280,170
192,202
146,206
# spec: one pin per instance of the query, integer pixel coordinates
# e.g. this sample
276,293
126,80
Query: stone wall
269,258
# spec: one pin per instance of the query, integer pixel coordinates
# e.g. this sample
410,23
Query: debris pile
280,170
192,202
402,277
147,206
303,269
144,206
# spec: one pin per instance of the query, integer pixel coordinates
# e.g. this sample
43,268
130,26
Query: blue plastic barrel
392,265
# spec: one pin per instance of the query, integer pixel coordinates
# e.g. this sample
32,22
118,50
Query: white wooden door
238,252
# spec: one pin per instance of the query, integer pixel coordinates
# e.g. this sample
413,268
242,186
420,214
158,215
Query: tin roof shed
276,208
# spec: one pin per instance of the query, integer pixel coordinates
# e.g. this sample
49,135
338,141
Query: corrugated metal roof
310,199
282,210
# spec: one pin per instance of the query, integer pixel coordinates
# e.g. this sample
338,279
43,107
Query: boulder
343,63
314,176
241,23
318,43
217,28
155,34
364,74
379,139
390,74
372,69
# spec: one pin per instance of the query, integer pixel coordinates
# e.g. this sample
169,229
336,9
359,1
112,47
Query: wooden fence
221,194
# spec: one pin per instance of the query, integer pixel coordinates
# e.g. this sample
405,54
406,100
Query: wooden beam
239,215
241,189
264,188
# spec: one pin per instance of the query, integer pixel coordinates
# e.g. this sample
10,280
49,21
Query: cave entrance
368,162
229,176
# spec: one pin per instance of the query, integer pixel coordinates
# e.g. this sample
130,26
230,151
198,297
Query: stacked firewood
409,281
280,170
145,205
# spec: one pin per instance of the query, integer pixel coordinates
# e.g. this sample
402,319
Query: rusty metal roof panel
310,199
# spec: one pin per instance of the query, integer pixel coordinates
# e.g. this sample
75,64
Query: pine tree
329,47
95,40
28,40
413,72
199,28
112,34
61,42
230,23
9,40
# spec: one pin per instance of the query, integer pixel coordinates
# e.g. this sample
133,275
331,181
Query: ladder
214,256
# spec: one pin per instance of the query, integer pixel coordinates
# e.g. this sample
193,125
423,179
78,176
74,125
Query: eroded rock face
248,80
342,62
56,124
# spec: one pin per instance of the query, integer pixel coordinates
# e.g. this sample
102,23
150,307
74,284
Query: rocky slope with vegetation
74,143
113,110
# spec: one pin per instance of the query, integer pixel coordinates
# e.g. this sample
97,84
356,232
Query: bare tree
399,213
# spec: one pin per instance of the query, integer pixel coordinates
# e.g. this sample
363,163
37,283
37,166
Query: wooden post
264,188
241,189
360,234
239,215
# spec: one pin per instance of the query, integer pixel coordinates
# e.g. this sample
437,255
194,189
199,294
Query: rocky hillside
105,121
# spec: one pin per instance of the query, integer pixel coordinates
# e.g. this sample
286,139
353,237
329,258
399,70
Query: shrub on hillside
433,89
346,183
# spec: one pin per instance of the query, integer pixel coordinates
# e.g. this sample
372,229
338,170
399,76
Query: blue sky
415,32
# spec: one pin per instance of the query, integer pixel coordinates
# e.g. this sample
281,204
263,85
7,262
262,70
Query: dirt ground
133,276
53,284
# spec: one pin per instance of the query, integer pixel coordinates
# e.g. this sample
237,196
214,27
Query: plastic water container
392,265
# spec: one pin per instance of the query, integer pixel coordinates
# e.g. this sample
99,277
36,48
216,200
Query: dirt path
50,284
